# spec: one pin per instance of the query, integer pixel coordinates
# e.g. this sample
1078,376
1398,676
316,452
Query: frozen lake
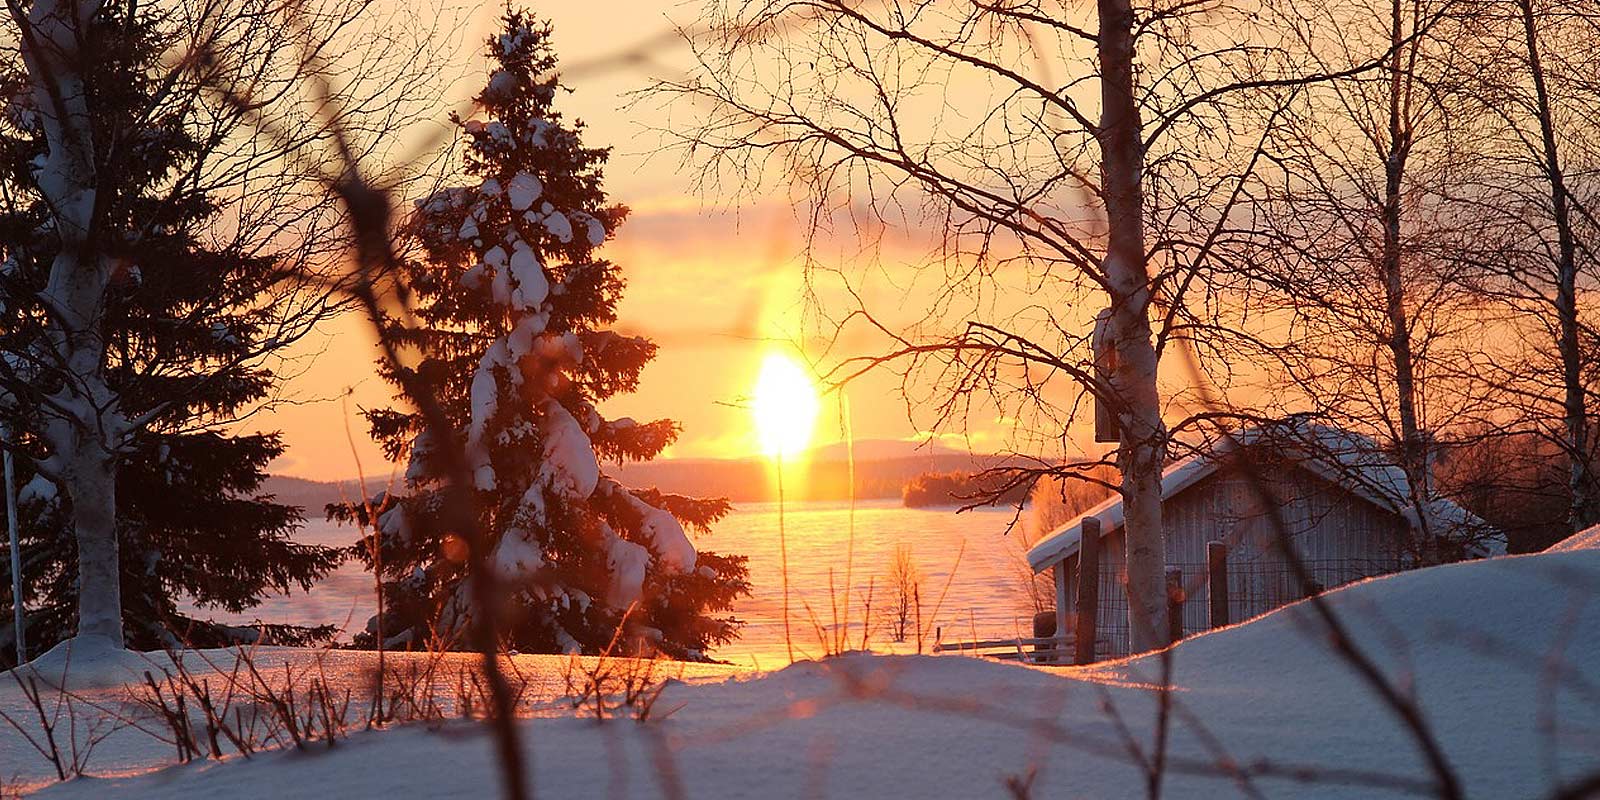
987,594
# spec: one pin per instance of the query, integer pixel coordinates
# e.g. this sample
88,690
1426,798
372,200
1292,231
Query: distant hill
882,450
311,496
883,468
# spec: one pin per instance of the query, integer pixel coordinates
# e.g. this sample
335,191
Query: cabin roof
1345,459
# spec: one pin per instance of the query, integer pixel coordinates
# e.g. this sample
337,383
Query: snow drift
1501,654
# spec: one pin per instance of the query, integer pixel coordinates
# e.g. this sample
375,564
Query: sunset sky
715,281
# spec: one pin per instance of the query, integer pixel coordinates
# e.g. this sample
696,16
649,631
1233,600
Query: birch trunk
84,426
1413,458
1581,514
1133,379
90,481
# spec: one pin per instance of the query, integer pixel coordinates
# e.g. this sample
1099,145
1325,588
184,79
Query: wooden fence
1033,650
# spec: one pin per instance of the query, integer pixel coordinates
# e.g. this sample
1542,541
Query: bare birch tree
1575,412
1356,251
1539,225
1073,160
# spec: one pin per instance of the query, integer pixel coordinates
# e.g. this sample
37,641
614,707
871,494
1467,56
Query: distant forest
956,488
883,470
1516,483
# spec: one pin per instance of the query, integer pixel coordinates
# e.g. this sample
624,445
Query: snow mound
37,490
1476,643
1586,539
91,662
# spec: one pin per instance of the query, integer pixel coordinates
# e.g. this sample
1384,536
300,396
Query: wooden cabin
1347,513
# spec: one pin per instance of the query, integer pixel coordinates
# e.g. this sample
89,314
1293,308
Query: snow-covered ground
1586,539
101,691
1503,656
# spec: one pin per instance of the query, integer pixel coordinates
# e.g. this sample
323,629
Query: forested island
934,489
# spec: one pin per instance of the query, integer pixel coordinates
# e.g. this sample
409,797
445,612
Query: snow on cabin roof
1341,457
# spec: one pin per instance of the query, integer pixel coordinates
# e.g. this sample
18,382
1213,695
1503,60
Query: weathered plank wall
1339,535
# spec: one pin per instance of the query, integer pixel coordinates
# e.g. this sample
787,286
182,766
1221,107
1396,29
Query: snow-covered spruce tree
182,321
513,304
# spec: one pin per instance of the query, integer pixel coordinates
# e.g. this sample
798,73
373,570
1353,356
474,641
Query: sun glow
785,406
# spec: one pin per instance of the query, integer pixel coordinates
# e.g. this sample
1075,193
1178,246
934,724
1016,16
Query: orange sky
712,283
717,282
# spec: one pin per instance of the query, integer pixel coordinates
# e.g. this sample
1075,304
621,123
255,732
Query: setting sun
785,406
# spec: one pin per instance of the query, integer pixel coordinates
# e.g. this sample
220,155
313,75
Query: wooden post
1044,636
1083,637
1217,576
1174,604
1063,609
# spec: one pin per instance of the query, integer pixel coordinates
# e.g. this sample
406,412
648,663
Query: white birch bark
1582,512
84,425
1133,380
